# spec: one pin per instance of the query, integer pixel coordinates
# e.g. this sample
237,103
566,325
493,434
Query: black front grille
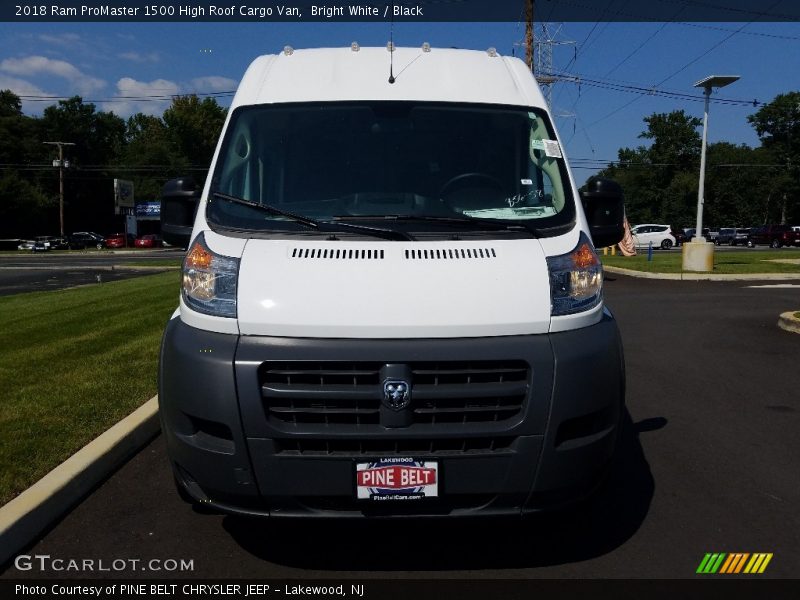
400,447
351,393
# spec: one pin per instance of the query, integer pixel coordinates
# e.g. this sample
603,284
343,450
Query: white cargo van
391,301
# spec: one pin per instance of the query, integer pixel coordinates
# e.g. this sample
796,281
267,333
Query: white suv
659,235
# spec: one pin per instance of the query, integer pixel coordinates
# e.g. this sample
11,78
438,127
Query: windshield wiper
326,226
496,224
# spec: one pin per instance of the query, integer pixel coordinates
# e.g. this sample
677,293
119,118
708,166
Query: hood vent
337,253
450,253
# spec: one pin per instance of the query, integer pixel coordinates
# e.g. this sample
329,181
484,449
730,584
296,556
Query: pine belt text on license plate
397,479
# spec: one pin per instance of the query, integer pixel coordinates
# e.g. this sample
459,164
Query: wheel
666,244
775,244
750,244
99,246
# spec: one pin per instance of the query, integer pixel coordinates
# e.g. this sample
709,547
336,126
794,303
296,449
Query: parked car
725,236
27,245
59,243
740,237
658,235
712,234
148,241
86,239
773,236
690,234
42,243
679,235
116,240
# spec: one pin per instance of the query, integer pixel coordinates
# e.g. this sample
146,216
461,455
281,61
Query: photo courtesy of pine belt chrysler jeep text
391,299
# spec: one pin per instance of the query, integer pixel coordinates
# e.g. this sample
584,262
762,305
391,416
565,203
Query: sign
397,479
123,196
148,210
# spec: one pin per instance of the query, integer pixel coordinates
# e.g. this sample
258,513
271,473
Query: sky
118,65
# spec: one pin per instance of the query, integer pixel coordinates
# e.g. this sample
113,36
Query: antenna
391,46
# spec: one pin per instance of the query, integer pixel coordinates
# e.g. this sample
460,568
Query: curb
30,513
703,276
789,322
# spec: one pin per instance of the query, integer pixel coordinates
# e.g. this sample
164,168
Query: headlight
576,279
209,280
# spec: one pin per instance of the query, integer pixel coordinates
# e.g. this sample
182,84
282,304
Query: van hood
337,289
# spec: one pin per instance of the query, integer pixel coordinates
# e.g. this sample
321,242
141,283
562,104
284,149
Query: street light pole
61,166
698,254
698,231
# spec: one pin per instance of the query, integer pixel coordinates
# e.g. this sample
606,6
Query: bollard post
650,252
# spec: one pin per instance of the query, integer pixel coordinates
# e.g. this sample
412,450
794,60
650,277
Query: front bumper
229,451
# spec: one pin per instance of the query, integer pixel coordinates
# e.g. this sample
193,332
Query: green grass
72,363
734,262
162,262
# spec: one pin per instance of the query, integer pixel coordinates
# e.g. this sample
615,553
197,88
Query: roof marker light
492,52
355,47
288,50
426,47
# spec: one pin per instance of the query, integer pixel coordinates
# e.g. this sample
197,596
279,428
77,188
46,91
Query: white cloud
63,39
40,65
134,96
213,83
139,57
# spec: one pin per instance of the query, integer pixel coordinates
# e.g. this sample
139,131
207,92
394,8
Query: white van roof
340,74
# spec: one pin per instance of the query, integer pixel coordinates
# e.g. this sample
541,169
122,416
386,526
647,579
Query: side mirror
179,199
605,211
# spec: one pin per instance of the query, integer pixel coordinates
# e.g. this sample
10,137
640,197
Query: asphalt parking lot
709,462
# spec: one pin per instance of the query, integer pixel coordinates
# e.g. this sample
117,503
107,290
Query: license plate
397,479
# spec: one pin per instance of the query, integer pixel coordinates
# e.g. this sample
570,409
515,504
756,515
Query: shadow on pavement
609,521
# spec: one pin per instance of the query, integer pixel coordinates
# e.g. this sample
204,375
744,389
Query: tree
98,139
778,127
194,127
149,157
23,205
660,181
10,104
676,142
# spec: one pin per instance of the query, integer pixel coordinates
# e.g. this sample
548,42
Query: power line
754,33
681,69
650,90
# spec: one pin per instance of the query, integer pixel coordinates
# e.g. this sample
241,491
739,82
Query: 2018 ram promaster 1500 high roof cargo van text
391,301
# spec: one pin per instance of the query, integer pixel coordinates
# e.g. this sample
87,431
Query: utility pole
61,164
543,69
539,55
529,33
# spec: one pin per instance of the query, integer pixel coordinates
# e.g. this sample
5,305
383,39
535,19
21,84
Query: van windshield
390,160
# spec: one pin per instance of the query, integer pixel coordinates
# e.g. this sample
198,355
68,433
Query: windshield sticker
537,144
550,147
526,181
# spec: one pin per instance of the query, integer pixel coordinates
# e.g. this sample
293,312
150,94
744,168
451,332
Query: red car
775,236
148,241
115,240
